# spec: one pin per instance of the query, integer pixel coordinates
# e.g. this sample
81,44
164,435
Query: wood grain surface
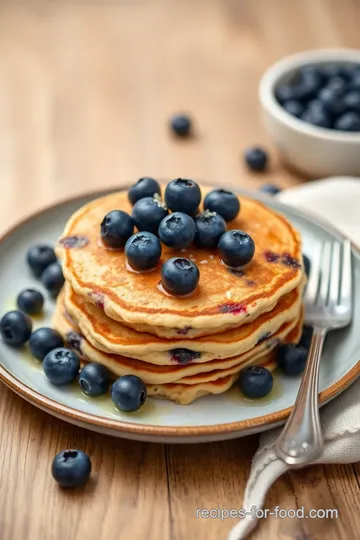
86,90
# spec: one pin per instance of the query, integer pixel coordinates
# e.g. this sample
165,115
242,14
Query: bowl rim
295,61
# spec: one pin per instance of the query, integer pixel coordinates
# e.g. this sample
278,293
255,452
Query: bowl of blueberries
311,109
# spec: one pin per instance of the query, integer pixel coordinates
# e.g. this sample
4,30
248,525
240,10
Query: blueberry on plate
223,202
143,251
71,468
128,393
270,189
15,328
291,359
306,336
148,214
116,228
177,230
349,121
39,257
237,248
30,301
44,340
293,107
94,379
179,276
182,195
144,187
307,264
255,382
61,366
181,125
210,226
256,159
53,279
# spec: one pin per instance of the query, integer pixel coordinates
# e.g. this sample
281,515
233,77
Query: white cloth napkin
337,200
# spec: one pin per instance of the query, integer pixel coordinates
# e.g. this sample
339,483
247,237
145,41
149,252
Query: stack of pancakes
182,348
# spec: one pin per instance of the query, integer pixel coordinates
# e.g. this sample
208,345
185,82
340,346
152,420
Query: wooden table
86,90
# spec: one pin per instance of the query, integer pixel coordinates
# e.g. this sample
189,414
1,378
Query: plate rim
121,426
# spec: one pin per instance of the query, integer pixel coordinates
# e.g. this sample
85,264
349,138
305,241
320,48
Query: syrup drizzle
70,242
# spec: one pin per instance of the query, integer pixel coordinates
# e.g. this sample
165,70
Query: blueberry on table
349,121
144,187
237,248
94,379
53,279
116,228
293,107
39,257
71,468
181,125
43,340
179,276
183,195
270,189
128,393
143,251
256,159
255,382
61,366
15,328
307,264
30,301
291,359
148,213
177,230
223,202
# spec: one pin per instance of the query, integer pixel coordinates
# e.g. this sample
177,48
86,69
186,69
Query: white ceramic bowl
314,151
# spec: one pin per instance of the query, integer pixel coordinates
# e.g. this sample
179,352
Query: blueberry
94,379
177,230
116,228
256,159
291,359
30,301
182,195
71,468
348,122
355,81
148,214
128,393
144,187
286,92
307,264
39,257
317,117
255,382
210,226
270,189
333,70
306,336
143,251
44,340
293,107
311,71
332,99
181,125
61,366
179,276
351,101
225,203
53,279
15,328
237,248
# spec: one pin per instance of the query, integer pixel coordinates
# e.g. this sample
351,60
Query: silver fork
328,305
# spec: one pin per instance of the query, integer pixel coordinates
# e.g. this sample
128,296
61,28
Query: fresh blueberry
307,264
255,382
61,366
143,251
128,393
332,99
116,228
177,230
308,87
351,101
256,159
15,328
333,70
225,203
311,72
338,84
286,92
306,337
210,226
39,257
270,189
53,279
179,276
317,117
145,187
181,125
148,214
291,359
71,468
182,195
237,248
293,107
44,340
30,301
94,379
348,122
355,80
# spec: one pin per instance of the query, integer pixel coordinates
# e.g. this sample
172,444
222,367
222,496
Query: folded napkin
334,199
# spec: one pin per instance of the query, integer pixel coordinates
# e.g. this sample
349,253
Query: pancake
224,297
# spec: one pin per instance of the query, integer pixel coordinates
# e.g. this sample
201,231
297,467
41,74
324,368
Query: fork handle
301,440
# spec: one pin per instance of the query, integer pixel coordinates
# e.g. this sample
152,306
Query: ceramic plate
209,418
